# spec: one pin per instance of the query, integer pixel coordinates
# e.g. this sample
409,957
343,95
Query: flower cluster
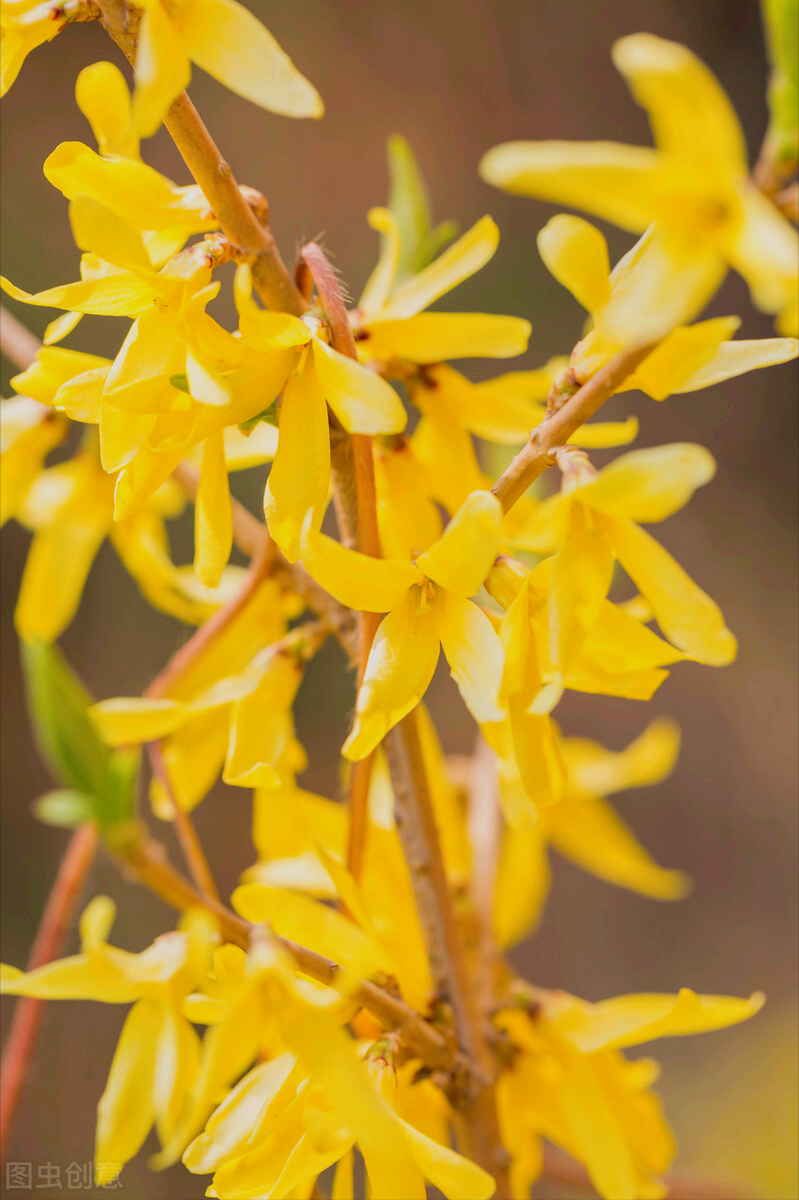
354,992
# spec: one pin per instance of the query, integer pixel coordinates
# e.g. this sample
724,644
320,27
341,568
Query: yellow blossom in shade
428,608
687,358
570,1084
226,40
317,376
695,186
156,1059
28,432
233,712
24,25
594,520
389,322
583,827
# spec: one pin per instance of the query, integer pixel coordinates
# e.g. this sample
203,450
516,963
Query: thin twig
201,155
19,345
190,843
50,936
557,427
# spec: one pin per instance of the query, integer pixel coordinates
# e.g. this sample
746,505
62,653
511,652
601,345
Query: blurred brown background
457,76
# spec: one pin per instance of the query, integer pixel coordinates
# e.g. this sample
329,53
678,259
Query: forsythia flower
688,358
695,186
28,432
24,25
583,827
570,1084
594,520
227,41
156,1059
428,607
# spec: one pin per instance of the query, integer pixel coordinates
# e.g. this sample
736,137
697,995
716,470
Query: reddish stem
50,936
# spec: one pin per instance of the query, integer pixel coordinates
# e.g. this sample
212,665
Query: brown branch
51,934
787,201
559,425
357,451
201,155
17,343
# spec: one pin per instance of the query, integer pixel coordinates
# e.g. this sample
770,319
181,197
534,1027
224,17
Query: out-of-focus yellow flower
24,25
583,827
428,608
695,186
569,1083
594,520
233,708
227,41
688,357
28,432
156,1059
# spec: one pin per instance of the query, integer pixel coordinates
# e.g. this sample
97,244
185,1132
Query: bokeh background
455,77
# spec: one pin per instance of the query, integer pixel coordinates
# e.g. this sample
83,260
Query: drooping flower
695,186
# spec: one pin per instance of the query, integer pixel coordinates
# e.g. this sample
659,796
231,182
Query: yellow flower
570,1084
227,41
695,186
28,432
688,358
307,1122
428,608
594,521
156,1059
24,25
581,826
317,376
231,711
389,322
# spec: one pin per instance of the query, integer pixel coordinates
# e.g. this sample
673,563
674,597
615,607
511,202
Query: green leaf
781,18
180,382
119,801
267,415
64,808
65,734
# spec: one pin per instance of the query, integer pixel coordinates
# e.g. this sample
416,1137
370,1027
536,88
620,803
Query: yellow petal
600,1144
362,400
765,249
649,485
435,337
686,614
464,554
177,1053
356,580
58,329
601,435
595,771
401,664
679,356
261,726
132,720
591,834
735,358
451,1173
116,294
162,69
342,1187
408,519
627,185
581,575
474,653
688,109
299,480
313,925
494,410
460,260
103,97
521,885
213,525
97,229
227,41
379,284
576,253
126,1110
632,1020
